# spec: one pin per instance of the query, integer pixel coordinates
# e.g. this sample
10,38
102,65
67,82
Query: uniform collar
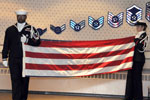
21,24
26,24
139,34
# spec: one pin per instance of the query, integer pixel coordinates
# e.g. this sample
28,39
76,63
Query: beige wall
42,13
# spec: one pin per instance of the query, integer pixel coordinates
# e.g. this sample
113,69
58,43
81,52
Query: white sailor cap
21,12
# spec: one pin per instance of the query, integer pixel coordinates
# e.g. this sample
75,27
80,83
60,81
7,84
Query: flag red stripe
107,72
77,67
77,56
79,44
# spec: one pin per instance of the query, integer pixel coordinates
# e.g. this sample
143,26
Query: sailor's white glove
5,63
24,39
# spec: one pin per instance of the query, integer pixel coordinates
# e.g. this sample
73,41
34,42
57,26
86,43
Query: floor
7,96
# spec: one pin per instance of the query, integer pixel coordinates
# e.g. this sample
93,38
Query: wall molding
72,94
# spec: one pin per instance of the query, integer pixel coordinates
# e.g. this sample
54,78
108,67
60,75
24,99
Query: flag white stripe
78,72
88,50
76,61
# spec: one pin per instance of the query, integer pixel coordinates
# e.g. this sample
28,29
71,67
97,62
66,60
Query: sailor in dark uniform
15,35
134,89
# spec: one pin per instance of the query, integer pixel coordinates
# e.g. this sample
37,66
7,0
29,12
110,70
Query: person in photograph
12,53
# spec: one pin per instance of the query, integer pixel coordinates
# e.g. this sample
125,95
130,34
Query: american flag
78,58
